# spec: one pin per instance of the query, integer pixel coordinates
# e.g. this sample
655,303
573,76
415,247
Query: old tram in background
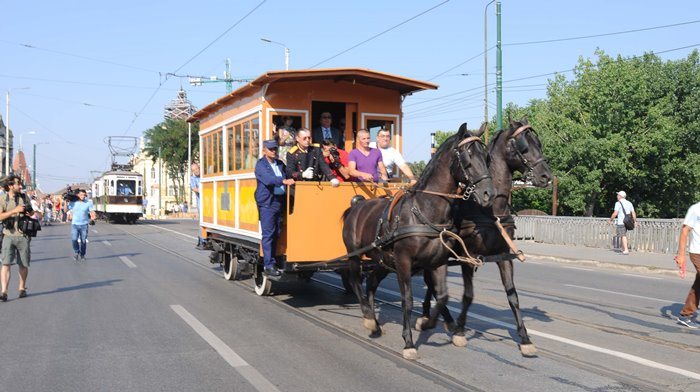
118,196
231,133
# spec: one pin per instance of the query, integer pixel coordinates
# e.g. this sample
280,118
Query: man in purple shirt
365,163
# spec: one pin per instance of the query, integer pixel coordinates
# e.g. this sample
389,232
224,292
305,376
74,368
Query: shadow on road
79,287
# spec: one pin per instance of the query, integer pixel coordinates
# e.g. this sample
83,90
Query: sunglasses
306,138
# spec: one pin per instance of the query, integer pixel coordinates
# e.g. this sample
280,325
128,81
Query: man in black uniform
305,160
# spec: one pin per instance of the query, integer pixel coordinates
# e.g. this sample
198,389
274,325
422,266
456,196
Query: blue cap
269,144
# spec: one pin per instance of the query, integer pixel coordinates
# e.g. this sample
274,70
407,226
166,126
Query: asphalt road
146,311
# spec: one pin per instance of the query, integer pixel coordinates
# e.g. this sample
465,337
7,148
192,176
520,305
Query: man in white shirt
623,207
691,226
392,158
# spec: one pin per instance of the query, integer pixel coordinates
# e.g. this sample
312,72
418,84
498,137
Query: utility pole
34,167
499,70
486,72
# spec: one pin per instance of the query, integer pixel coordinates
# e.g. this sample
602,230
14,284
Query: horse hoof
450,327
528,350
459,341
410,353
370,324
419,323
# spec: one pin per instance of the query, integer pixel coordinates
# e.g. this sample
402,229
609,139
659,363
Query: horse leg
458,339
527,349
439,276
403,274
429,293
373,280
355,279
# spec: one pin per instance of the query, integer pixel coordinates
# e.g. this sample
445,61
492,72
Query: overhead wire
379,34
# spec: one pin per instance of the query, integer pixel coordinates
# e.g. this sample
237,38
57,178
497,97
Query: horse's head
469,166
524,153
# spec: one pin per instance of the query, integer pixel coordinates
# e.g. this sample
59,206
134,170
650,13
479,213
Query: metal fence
650,235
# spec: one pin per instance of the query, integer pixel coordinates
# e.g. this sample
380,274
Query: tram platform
597,257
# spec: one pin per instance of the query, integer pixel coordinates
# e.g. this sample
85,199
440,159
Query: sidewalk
596,257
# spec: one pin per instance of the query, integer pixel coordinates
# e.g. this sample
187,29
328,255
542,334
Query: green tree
417,167
168,140
622,123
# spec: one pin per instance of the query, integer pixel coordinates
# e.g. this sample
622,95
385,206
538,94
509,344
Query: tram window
243,144
213,153
281,120
126,187
375,125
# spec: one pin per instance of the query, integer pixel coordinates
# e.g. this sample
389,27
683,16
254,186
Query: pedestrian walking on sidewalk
81,212
691,228
623,207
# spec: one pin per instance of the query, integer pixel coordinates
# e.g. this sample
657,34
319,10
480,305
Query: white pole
286,58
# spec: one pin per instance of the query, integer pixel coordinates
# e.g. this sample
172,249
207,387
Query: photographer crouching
15,212
337,160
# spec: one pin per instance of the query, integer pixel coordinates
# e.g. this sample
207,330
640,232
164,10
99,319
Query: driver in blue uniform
270,176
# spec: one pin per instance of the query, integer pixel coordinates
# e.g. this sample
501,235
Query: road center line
618,354
106,242
618,293
173,231
128,262
242,367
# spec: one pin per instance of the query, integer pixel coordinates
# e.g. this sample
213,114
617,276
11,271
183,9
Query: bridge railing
650,235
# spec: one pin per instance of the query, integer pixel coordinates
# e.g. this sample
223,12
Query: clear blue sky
96,64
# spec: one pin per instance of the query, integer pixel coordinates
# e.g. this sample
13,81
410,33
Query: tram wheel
230,267
263,285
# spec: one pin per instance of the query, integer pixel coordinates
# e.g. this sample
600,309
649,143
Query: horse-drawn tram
231,133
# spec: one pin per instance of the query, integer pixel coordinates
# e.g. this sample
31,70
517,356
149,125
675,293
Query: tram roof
357,75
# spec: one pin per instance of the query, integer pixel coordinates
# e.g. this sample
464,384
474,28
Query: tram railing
650,235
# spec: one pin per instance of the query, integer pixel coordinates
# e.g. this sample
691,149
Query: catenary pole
499,70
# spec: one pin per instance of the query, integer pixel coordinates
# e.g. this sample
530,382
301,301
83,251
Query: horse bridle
468,190
530,167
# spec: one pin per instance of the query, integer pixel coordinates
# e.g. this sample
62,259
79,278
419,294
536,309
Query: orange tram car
230,138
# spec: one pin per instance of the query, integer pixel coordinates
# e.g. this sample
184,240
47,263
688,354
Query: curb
607,265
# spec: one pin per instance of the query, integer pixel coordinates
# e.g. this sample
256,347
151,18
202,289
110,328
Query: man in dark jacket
305,160
271,179
326,131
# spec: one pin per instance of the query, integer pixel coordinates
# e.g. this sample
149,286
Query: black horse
515,149
402,234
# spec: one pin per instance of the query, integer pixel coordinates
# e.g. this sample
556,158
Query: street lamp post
189,163
286,51
20,138
7,130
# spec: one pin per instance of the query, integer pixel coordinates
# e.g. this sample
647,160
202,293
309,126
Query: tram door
342,115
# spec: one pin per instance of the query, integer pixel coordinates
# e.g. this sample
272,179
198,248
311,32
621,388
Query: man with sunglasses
305,160
15,243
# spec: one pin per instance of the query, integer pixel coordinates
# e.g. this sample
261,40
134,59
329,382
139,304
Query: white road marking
625,294
106,242
586,346
242,367
128,262
173,231
577,268
95,231
645,277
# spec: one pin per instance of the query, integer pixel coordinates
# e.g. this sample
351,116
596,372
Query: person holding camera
81,212
337,160
14,208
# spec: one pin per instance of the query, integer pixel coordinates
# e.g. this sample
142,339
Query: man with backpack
623,207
